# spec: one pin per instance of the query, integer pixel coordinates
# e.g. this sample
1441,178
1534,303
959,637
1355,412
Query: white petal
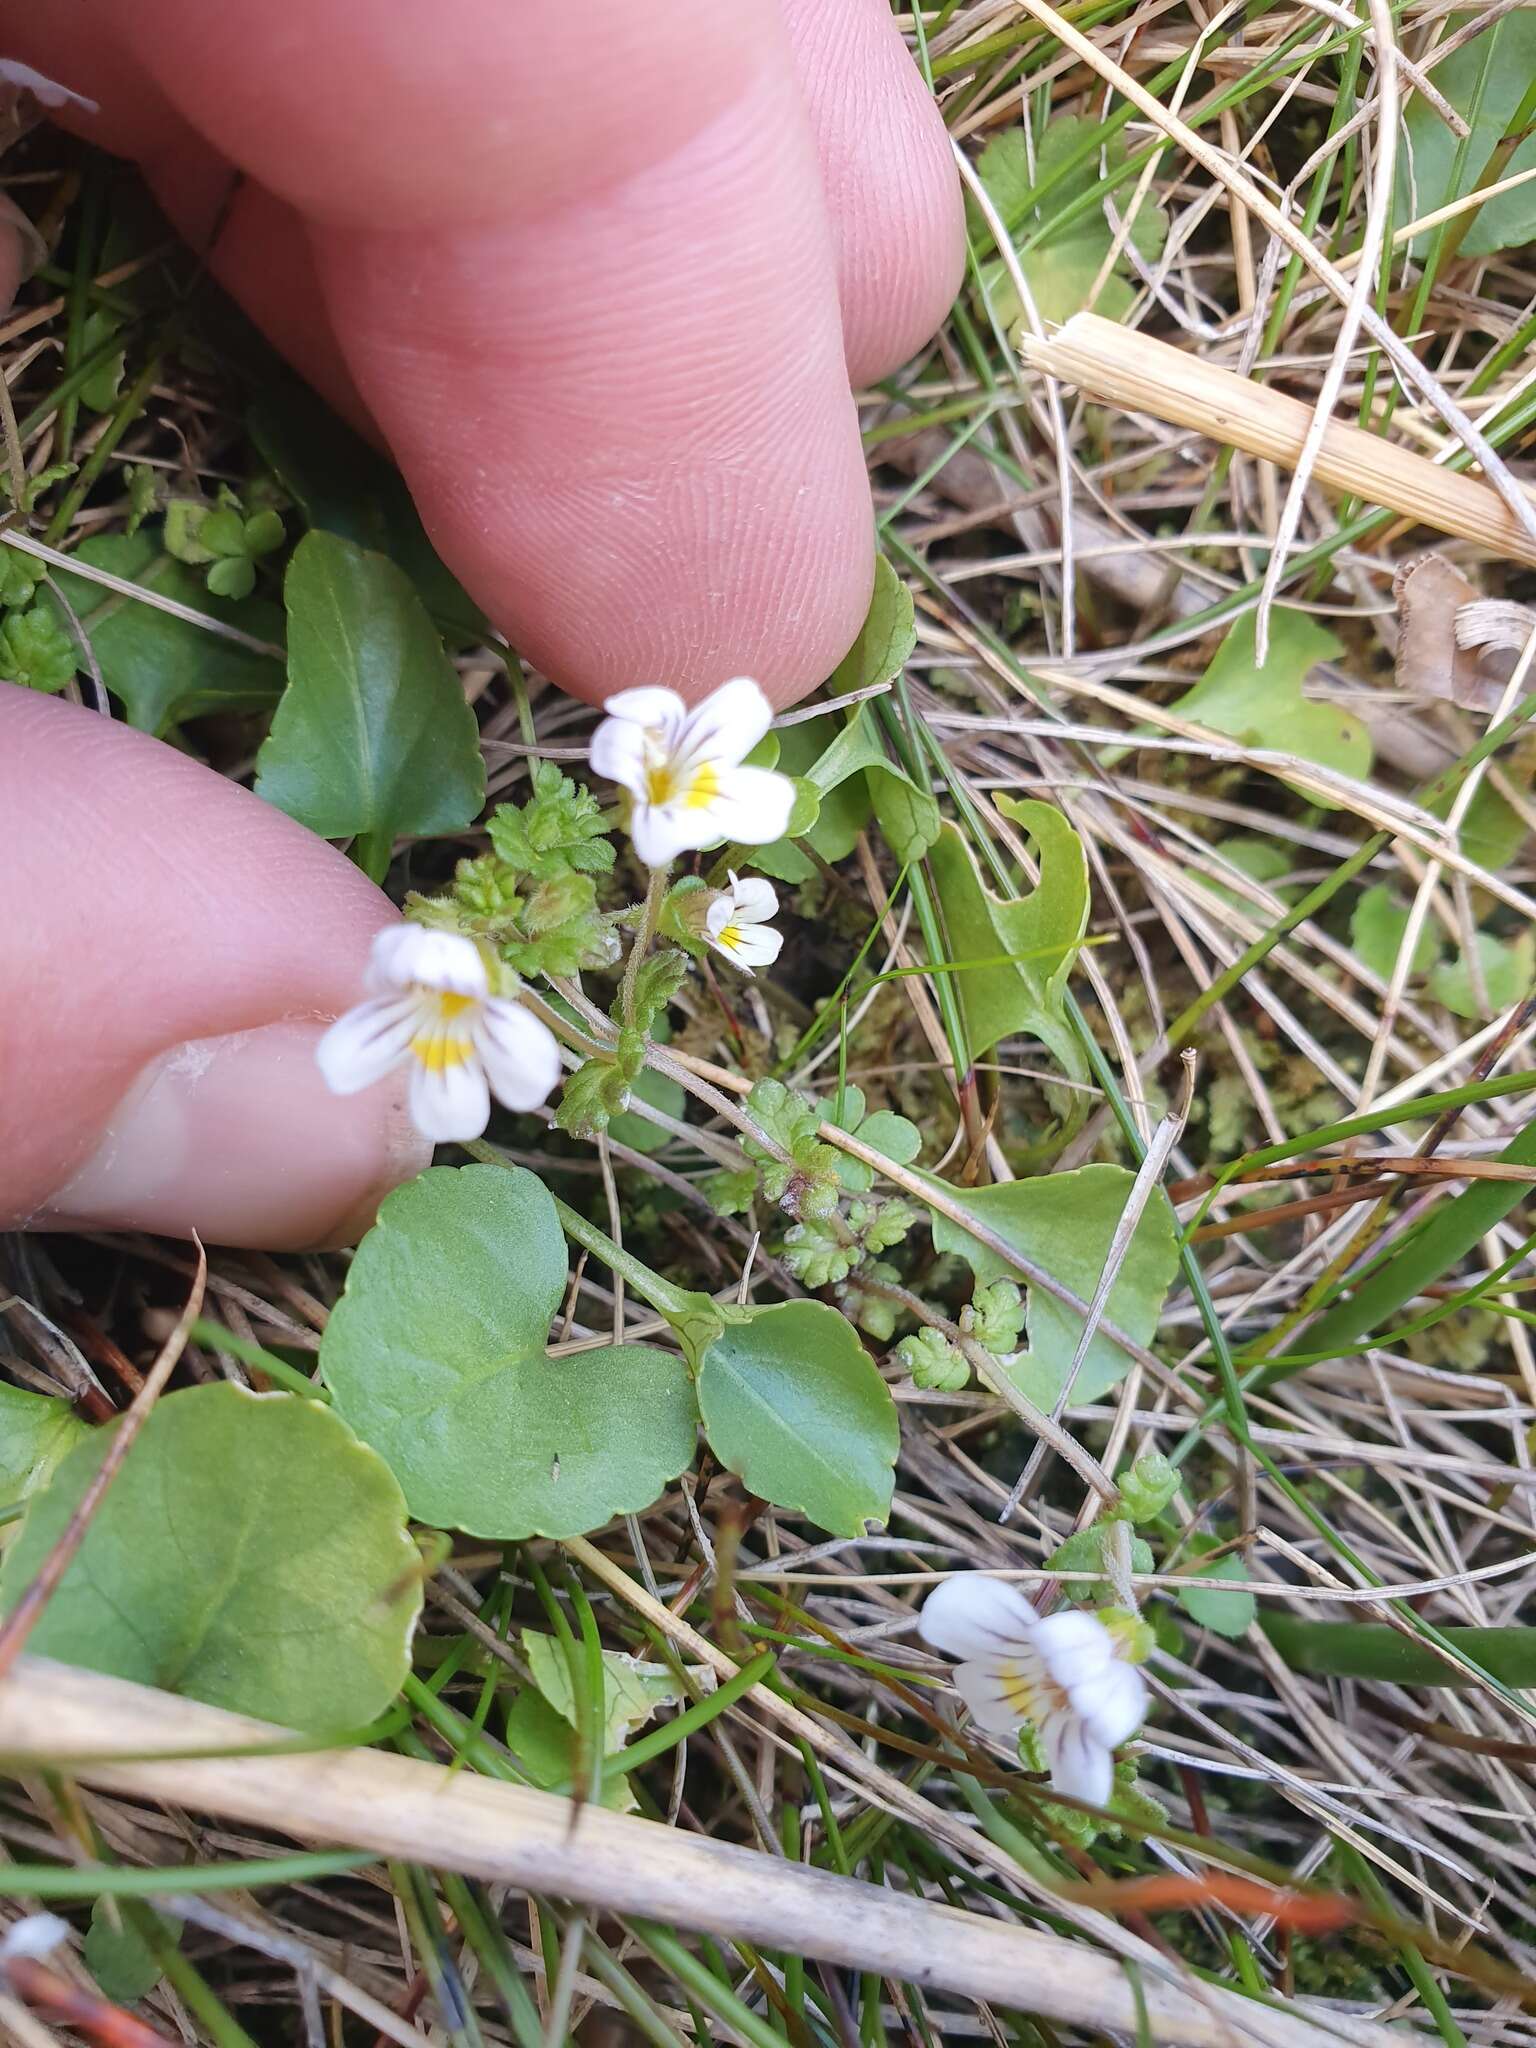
984,1691
361,1047
1081,1766
618,752
756,901
755,945
657,710
727,725
46,91
450,1103
662,831
1076,1647
34,1936
1114,1705
520,1055
753,806
408,953
975,1615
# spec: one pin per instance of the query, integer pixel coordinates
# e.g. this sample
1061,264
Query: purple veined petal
1076,1646
520,1055
1113,1705
993,1701
652,707
450,1100
756,899
750,945
752,805
408,955
620,751
367,1043
974,1615
1081,1766
661,832
727,725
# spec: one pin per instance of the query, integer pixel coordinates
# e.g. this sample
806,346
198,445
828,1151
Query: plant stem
650,911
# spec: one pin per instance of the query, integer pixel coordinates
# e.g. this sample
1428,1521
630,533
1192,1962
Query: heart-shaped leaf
886,638
792,1403
1266,707
251,1553
164,669
436,1355
1024,946
36,1433
1065,1223
373,734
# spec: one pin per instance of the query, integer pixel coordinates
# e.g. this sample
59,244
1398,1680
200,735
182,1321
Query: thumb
177,948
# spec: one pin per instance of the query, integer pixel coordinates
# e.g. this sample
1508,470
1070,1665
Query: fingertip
888,171
173,949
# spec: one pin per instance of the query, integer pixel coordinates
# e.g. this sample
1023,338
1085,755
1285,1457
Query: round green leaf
792,1402
436,1356
251,1553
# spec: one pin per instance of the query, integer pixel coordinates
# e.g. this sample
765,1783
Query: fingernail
239,1139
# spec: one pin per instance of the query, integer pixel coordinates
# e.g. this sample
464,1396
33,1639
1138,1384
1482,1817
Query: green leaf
544,1743
37,1431
1376,929
1064,1222
101,390
1507,968
1501,61
633,1690
164,669
1262,860
233,576
1064,262
886,638
1031,941
373,734
250,1553
183,532
1264,707
1228,1614
436,1356
344,487
1492,831
792,1403
124,1965
37,650
1083,1551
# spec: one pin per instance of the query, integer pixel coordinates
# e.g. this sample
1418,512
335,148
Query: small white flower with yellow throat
684,769
431,1006
1064,1674
738,923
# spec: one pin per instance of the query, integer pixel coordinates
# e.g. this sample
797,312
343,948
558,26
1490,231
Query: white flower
736,923
31,1938
1063,1674
431,1005
683,769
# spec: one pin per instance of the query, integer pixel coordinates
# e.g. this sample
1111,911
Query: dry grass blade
1145,375
511,1835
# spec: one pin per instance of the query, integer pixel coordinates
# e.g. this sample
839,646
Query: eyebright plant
433,1007
445,1000
1067,1676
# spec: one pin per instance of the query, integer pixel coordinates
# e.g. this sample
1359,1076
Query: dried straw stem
54,1717
1142,374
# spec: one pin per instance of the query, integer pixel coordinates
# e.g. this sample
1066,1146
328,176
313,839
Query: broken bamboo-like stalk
106,1732
1141,374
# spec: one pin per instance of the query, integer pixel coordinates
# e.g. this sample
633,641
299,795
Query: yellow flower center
729,936
439,1045
665,785
1031,1695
